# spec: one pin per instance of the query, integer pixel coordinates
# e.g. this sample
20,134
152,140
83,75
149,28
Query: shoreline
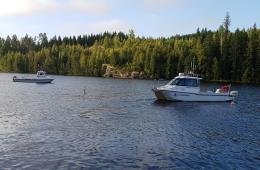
129,78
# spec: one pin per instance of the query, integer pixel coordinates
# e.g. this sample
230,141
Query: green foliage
220,55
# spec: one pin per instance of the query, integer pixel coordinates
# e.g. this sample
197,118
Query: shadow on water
179,103
42,84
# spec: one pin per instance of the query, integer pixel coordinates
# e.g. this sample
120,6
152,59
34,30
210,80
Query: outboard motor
234,93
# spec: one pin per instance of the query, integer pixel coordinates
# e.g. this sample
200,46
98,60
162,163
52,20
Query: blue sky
150,18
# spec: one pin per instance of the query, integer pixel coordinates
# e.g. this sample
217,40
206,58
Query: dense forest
220,54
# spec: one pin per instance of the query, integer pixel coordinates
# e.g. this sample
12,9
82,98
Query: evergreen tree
221,54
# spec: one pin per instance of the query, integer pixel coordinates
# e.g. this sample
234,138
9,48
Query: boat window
178,82
191,82
174,81
40,73
181,82
184,82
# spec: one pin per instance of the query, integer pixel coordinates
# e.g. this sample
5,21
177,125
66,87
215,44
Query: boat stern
233,93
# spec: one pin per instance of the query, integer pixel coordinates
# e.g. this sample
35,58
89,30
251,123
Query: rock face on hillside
110,71
135,75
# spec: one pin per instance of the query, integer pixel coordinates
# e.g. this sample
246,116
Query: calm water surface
118,124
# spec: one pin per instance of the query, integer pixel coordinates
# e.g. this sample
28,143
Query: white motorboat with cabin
186,87
41,77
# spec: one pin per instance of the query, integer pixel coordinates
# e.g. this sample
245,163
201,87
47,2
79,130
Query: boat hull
188,96
33,80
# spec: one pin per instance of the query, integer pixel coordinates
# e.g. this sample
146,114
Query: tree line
220,55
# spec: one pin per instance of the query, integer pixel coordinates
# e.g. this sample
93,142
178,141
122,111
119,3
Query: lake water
118,124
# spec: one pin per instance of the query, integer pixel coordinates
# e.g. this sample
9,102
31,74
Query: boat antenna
38,66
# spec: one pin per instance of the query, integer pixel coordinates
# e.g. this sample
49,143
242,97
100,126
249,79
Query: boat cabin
187,80
41,73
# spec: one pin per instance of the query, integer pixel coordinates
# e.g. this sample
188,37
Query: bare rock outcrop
111,71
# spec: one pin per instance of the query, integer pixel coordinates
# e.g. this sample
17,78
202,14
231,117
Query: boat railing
190,75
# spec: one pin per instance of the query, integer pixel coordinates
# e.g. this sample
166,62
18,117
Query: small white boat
41,77
186,87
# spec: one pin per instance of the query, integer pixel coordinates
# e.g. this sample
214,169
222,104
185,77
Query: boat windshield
41,73
184,82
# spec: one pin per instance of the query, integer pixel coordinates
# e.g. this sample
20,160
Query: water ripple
118,124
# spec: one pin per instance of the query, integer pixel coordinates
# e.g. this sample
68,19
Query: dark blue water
118,124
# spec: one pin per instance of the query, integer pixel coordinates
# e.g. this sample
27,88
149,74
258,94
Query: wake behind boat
186,87
41,77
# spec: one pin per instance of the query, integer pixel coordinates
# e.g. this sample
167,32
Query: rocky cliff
111,71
